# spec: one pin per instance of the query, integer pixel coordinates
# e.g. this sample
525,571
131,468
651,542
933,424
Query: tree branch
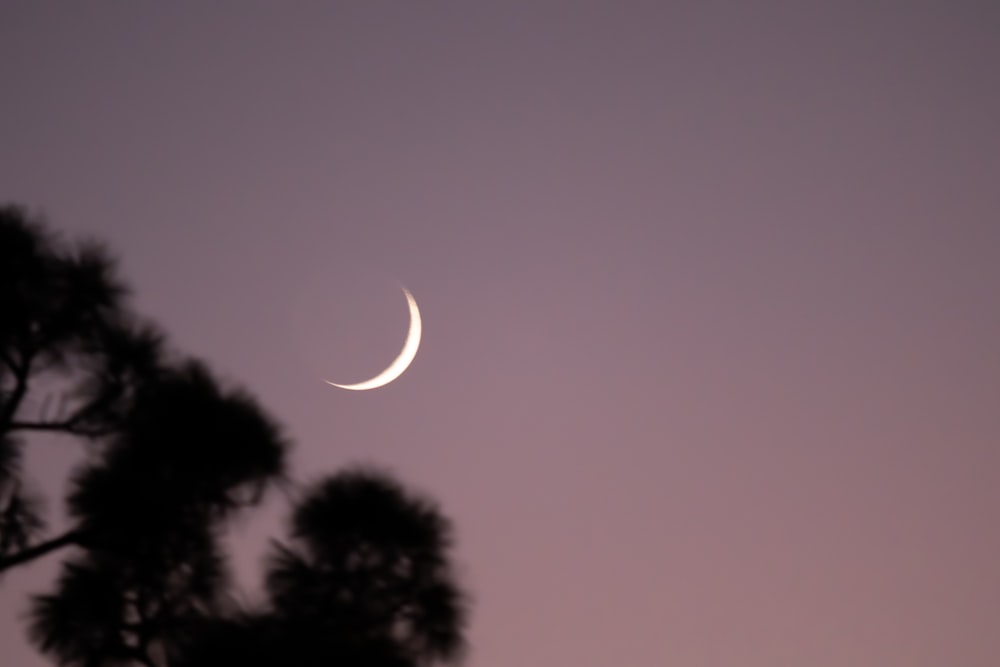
67,426
40,426
39,550
8,410
8,361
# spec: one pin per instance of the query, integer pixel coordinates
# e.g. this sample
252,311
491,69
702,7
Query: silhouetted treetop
191,443
366,506
365,581
368,562
51,294
364,578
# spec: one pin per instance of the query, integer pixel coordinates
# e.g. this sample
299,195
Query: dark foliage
148,515
63,322
364,579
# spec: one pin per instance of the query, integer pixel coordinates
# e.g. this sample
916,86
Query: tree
364,579
171,453
64,324
149,513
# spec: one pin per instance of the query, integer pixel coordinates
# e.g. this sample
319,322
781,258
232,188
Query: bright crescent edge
401,362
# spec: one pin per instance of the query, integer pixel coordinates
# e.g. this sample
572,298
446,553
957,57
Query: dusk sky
710,371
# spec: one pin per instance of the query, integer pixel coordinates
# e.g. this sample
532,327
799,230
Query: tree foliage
364,578
64,325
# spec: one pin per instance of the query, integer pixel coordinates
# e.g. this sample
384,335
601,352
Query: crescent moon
405,358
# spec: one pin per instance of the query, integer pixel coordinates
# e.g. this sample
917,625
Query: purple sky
710,371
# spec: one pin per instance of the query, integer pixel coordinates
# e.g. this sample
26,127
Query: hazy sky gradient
710,373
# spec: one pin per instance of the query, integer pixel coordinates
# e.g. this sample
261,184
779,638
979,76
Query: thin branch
39,550
8,410
41,426
68,426
8,361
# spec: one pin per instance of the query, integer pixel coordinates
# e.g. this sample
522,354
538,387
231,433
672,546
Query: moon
400,363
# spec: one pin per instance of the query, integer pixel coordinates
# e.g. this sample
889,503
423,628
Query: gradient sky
710,370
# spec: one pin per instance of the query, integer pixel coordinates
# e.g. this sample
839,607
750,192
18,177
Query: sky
709,372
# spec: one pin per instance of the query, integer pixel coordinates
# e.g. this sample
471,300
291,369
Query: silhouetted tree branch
13,401
70,537
68,426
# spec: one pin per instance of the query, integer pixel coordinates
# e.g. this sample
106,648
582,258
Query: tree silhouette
364,578
64,326
148,515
